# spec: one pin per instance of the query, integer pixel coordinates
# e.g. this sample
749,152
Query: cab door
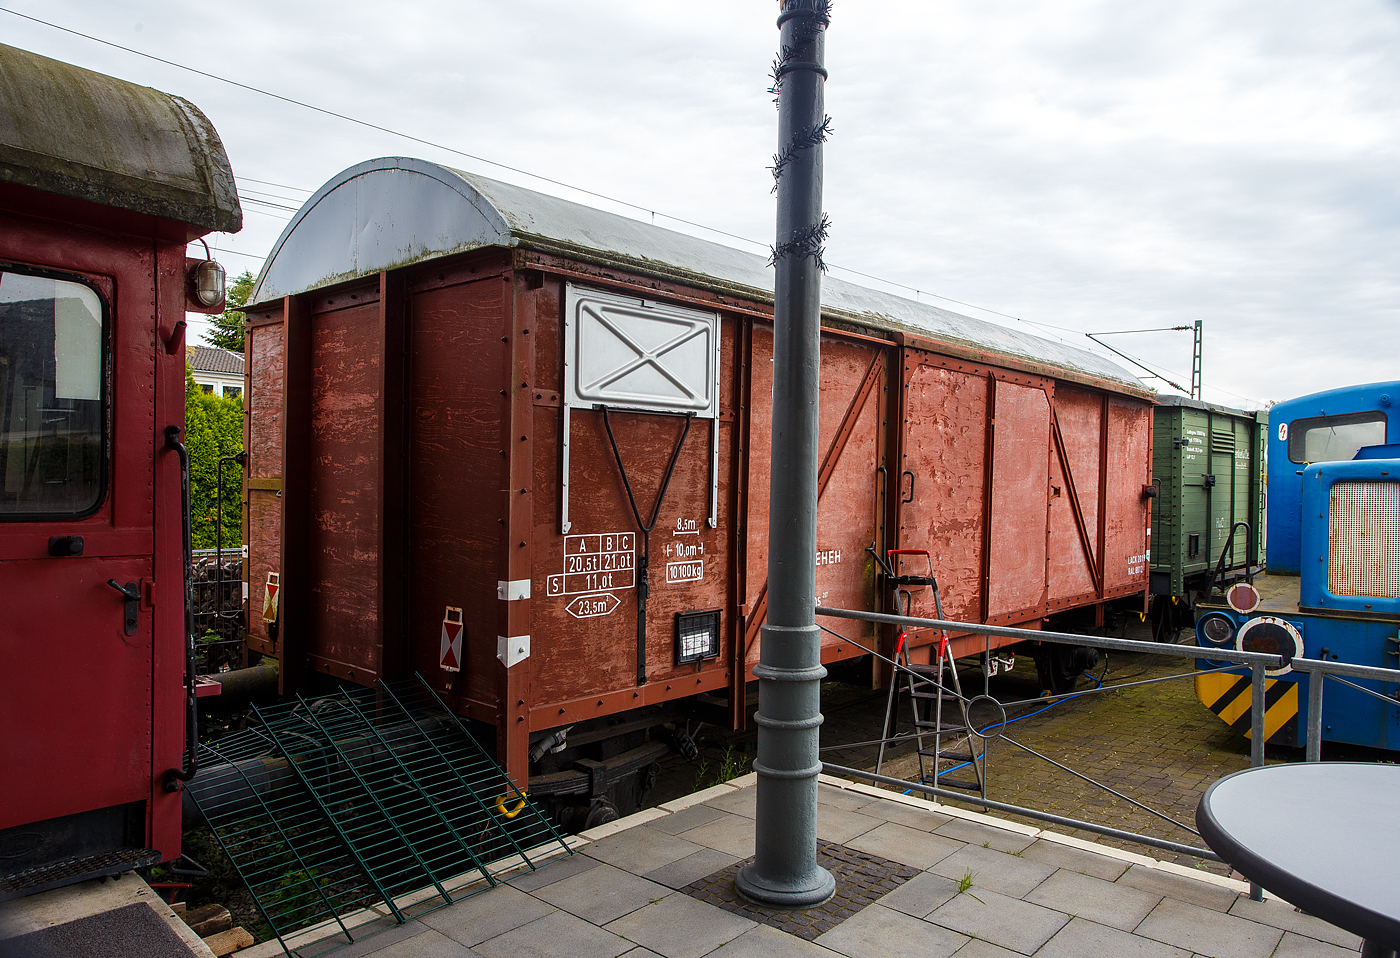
76,655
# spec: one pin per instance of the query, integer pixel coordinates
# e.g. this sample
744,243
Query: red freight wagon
102,184
521,447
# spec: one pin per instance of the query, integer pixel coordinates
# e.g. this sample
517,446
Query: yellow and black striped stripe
1229,697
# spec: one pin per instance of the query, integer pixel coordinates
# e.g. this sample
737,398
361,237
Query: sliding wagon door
973,489
1098,514
852,450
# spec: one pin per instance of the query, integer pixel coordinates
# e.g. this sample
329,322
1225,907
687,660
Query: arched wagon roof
394,211
80,134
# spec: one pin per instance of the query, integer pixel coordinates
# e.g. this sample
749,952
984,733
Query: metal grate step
336,809
31,881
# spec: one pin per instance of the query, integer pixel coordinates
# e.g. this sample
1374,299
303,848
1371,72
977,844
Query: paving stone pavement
978,887
862,879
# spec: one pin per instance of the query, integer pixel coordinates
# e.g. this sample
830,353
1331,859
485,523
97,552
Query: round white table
1324,836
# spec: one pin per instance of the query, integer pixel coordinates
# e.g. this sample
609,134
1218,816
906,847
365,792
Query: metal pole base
809,891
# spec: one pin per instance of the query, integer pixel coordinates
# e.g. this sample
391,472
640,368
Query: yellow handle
509,812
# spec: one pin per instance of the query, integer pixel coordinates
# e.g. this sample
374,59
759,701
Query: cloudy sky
1074,164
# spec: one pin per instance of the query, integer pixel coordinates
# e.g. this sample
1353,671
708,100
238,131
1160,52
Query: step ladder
927,691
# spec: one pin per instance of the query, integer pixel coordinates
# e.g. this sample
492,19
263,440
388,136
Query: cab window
53,456
1334,438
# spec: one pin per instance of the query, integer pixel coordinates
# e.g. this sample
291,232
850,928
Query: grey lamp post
785,872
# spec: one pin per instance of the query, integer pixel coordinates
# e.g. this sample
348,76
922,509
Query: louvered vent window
1364,538
1222,442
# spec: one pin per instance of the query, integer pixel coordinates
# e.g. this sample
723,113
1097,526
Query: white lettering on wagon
1137,564
685,571
595,563
589,606
691,553
828,556
1196,444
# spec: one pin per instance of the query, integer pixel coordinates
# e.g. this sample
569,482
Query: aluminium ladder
925,684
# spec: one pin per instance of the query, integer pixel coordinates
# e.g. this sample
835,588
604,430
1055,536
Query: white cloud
1083,163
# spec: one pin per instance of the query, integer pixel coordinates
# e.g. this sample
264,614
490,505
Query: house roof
390,212
210,359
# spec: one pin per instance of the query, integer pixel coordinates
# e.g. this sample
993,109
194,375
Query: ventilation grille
1222,442
1364,539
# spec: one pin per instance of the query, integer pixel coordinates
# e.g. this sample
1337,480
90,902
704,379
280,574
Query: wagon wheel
1168,617
1160,618
1059,666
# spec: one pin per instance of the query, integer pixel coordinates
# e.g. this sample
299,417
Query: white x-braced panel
636,354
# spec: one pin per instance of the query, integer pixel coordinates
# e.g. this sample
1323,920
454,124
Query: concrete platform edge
697,798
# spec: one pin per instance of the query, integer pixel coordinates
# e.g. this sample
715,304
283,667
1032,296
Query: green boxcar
1208,464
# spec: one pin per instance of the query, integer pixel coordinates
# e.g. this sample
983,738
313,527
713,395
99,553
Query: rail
1258,664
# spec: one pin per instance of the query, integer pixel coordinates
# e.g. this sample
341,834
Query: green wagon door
1224,495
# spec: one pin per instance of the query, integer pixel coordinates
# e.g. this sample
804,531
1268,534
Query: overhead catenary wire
379,128
280,186
652,213
243,197
234,252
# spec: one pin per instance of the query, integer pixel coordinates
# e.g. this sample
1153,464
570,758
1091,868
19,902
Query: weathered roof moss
80,134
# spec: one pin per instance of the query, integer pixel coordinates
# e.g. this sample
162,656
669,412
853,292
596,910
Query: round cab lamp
207,282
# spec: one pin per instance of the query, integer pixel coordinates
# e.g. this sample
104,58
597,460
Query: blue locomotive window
53,461
1334,438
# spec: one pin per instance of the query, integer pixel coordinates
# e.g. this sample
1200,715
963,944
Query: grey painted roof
393,211
211,359
1171,399
72,132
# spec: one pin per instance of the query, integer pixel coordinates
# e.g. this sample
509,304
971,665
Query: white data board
630,353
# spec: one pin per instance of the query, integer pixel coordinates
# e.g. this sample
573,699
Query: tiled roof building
218,371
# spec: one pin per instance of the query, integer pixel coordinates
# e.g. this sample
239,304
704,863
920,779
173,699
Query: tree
227,329
213,430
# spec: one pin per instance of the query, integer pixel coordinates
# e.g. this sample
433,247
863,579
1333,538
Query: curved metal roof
76,133
393,211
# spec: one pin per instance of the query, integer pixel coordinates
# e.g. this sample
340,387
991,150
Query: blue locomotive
1332,590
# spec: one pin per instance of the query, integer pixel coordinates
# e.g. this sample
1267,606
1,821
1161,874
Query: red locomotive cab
94,285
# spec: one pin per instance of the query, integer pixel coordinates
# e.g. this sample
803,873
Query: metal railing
1258,664
1319,670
